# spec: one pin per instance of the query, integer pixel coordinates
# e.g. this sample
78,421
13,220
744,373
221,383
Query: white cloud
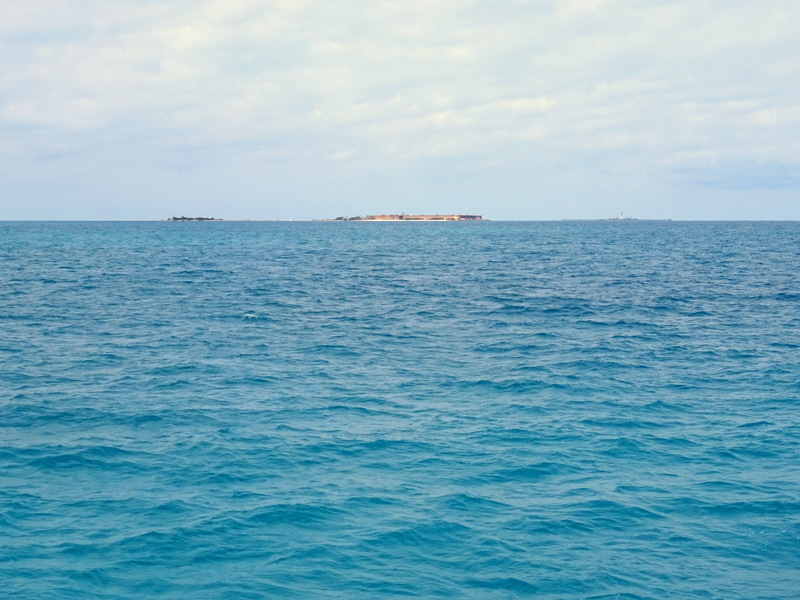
614,85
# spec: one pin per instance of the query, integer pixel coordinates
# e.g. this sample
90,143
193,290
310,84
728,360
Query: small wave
424,536
296,515
466,502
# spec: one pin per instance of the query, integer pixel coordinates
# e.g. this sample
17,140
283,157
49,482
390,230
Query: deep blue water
565,410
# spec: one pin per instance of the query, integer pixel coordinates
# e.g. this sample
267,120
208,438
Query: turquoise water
564,410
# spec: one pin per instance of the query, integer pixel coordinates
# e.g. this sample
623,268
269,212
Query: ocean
554,410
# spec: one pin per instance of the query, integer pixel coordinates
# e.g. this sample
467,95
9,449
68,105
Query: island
193,219
405,217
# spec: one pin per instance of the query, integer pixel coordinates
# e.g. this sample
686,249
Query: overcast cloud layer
523,109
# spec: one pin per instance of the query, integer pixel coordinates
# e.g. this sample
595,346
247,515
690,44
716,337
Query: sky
304,109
